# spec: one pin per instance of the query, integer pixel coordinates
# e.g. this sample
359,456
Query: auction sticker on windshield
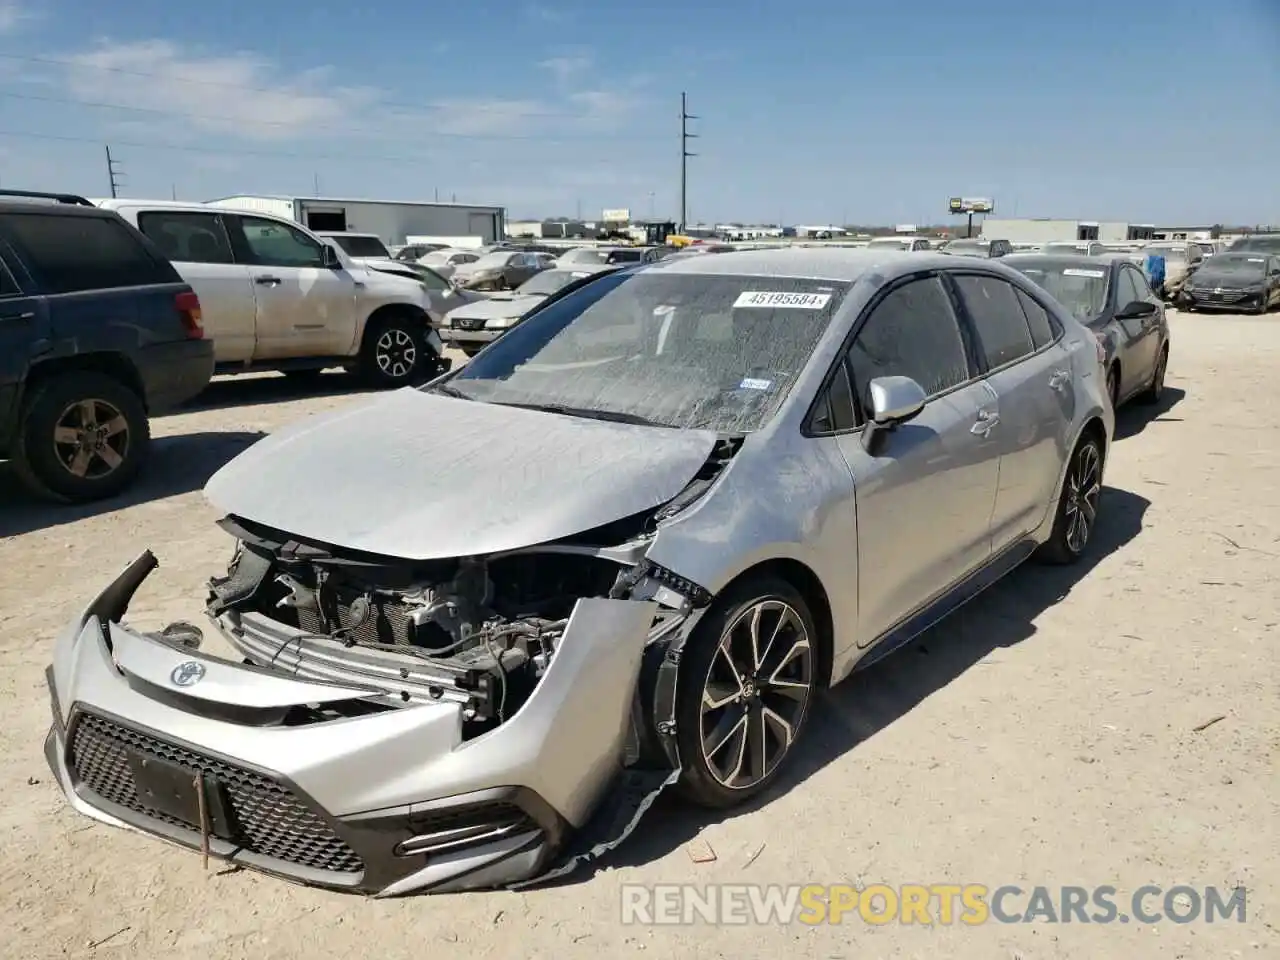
770,299
1073,272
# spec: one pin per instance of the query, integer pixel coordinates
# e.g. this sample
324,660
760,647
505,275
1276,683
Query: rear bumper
173,373
380,801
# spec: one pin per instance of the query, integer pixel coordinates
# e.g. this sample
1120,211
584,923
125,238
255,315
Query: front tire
748,679
84,436
395,353
1077,512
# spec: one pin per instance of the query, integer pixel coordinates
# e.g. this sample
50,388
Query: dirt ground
1047,735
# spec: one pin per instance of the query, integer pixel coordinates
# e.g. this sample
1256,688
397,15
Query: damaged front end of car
388,725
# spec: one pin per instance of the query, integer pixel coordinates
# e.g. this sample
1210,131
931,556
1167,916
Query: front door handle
1059,379
985,422
266,281
28,315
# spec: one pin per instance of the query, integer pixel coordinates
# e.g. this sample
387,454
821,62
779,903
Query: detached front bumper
327,783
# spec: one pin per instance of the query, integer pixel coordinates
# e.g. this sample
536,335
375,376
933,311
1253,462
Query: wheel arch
108,363
800,576
389,311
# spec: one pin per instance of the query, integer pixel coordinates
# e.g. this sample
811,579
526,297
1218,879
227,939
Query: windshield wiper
448,391
587,413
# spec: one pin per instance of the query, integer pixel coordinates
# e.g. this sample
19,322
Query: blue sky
812,110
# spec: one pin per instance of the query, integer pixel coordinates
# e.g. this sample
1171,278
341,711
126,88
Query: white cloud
12,15
564,69
239,94
246,96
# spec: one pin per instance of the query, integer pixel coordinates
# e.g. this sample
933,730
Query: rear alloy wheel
746,686
394,353
1155,391
1077,514
84,436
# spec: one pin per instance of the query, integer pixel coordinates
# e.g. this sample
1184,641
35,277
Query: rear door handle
985,422
29,315
1059,379
266,281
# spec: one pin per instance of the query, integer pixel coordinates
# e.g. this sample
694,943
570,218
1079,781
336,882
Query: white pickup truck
274,296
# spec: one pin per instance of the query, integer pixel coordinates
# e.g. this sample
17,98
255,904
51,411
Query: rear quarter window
69,254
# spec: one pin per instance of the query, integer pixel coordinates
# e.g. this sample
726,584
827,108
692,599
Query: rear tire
395,351
1155,391
1077,512
748,679
83,436
1113,386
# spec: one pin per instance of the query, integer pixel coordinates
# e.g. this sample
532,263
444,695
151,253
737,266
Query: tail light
188,305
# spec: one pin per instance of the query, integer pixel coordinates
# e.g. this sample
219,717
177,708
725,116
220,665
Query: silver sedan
623,548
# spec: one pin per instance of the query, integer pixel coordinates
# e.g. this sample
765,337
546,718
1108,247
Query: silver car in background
711,487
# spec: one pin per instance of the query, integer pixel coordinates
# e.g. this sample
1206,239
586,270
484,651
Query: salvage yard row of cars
425,697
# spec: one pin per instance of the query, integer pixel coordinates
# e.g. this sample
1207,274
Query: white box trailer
392,220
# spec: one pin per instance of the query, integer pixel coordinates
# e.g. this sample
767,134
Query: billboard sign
971,205
620,215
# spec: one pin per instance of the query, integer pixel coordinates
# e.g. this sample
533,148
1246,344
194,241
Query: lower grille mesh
271,821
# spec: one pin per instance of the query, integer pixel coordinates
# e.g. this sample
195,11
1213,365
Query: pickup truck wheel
84,436
395,352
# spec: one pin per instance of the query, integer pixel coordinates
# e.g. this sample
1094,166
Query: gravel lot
1046,735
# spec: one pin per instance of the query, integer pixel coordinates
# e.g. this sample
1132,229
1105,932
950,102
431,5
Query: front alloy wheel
395,353
746,689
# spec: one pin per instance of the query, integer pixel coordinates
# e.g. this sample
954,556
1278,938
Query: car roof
844,263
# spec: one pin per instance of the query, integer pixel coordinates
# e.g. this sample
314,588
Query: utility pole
316,177
112,173
685,137
173,190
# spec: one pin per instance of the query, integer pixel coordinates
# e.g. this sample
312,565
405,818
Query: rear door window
187,237
998,320
73,253
1043,329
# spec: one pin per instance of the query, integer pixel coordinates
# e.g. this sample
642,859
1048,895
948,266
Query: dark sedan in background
1235,281
1111,296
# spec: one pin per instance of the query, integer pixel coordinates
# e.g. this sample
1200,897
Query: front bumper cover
386,802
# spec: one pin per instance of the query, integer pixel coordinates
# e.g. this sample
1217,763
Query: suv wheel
394,352
84,436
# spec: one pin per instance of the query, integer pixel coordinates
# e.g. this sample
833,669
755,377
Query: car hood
500,307
422,476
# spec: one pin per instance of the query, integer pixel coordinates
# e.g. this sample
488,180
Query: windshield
493,261
675,350
1235,264
968,246
362,246
1082,290
549,281
624,256
1269,242
582,255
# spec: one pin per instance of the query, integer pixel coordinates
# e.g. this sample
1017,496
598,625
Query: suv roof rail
70,198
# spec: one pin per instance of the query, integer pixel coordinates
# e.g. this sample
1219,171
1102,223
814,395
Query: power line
303,128
417,161
177,78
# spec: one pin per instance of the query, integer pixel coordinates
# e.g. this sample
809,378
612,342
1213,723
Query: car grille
1223,296
467,323
269,819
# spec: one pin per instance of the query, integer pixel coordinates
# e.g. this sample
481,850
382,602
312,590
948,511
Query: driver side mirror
893,401
1137,310
329,257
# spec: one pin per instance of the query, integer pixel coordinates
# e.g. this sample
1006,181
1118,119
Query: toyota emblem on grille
187,674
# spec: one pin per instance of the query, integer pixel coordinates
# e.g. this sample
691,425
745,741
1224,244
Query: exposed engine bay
479,631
